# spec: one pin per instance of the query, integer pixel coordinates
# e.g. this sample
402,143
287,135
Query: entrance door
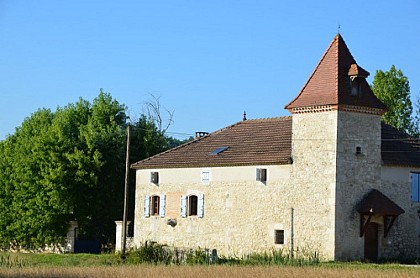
371,242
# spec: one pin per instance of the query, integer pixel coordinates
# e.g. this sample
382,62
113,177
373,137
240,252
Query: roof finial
244,118
338,31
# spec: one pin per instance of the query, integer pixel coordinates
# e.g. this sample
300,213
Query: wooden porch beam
387,227
363,224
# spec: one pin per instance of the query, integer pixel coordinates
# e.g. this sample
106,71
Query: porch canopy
377,204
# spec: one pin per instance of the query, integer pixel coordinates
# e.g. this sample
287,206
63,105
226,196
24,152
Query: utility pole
127,170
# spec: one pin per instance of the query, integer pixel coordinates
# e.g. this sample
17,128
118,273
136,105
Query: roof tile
250,142
330,82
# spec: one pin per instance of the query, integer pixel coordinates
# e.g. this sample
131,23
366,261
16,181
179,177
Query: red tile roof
330,82
250,142
266,141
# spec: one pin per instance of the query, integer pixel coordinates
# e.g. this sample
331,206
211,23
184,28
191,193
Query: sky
207,61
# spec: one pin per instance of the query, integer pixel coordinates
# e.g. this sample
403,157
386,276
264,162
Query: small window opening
279,236
356,86
261,175
358,150
154,177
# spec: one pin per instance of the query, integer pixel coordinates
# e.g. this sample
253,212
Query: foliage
69,165
150,252
417,118
197,256
393,89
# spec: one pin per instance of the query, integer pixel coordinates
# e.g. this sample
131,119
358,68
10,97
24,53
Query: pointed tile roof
331,82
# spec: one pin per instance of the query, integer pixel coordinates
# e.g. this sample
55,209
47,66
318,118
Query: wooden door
371,242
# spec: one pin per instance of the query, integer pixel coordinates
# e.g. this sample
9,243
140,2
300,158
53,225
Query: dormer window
356,86
357,74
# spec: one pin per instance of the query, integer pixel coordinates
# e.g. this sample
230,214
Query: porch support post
363,224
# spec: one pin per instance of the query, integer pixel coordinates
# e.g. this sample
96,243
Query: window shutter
146,211
200,212
162,205
258,174
183,206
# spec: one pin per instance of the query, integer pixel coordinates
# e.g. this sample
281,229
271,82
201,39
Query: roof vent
200,134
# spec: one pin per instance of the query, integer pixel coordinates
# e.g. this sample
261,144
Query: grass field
110,265
209,271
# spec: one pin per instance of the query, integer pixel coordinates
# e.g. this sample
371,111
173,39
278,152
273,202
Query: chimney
200,134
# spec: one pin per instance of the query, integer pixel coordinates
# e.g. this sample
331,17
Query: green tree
393,89
417,117
70,165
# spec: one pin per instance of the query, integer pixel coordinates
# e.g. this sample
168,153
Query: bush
150,252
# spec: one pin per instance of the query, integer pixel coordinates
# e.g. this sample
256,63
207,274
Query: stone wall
357,174
313,180
240,213
403,240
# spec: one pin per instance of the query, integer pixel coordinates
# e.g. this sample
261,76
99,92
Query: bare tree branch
153,110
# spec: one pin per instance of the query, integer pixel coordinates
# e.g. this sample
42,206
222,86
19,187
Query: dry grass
207,271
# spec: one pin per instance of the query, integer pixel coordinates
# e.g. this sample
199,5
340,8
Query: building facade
329,179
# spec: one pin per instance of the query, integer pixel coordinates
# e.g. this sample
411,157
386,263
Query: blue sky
209,61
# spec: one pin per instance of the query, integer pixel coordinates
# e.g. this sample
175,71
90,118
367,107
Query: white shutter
200,204
146,211
183,206
258,174
162,205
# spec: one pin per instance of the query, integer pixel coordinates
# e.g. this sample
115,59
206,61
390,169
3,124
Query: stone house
330,178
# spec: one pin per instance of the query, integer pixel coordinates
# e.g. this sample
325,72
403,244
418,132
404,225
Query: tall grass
206,271
12,260
155,253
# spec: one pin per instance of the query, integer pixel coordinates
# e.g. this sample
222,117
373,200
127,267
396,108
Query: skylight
219,150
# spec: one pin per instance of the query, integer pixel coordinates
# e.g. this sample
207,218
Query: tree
154,114
393,89
417,117
70,165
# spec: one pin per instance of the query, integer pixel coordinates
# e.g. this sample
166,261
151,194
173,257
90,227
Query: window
261,175
192,205
415,187
154,208
278,236
154,177
205,176
154,205
356,86
219,150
